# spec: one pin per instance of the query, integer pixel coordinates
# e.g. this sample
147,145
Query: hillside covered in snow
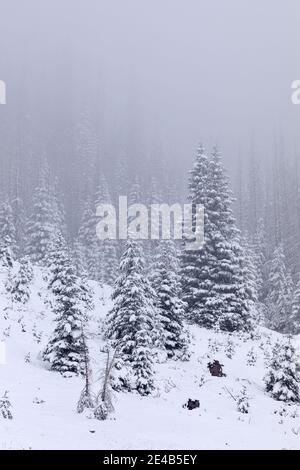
44,403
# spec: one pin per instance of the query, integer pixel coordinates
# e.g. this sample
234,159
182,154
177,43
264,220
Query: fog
153,75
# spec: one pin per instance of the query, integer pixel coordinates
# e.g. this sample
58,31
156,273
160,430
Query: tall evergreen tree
88,241
42,227
66,348
19,219
107,249
279,296
258,247
131,320
250,271
214,282
166,285
195,270
229,300
87,154
6,257
79,260
295,316
17,205
7,227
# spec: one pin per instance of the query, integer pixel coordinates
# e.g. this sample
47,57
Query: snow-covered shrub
287,410
251,357
213,346
242,401
37,335
6,331
86,401
201,380
5,406
101,411
27,358
38,401
282,379
230,348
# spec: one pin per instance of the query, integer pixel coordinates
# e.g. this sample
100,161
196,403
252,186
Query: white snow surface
44,402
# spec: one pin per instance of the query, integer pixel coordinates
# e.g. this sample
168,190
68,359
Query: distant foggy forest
162,102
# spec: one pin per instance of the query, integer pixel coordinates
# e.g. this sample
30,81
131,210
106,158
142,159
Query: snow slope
44,403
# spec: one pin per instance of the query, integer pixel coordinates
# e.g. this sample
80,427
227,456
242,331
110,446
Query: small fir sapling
5,406
104,398
242,401
230,348
27,358
213,346
282,378
251,357
6,332
86,399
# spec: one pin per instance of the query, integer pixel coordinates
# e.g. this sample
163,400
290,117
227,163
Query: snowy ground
44,403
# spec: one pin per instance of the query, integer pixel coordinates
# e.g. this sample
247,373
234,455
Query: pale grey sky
169,71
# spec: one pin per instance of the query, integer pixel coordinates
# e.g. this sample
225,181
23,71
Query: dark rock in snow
191,404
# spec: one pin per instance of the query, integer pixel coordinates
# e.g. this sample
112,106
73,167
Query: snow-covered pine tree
131,320
121,183
250,270
121,179
79,260
20,282
86,152
88,241
230,298
196,283
279,296
85,290
18,210
107,249
136,197
66,348
41,226
6,257
242,400
7,227
251,357
154,197
295,316
215,286
166,285
258,247
59,216
282,379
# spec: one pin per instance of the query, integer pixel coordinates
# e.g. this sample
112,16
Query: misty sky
161,73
